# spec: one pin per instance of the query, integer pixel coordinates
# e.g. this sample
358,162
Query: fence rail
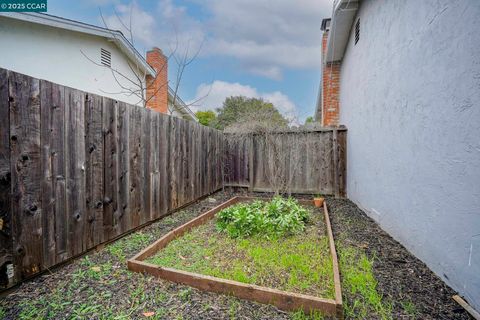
78,169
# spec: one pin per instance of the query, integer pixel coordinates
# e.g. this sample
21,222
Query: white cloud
282,102
271,72
169,27
265,36
268,36
215,93
142,23
176,30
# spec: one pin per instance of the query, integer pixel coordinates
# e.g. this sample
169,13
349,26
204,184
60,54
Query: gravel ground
98,286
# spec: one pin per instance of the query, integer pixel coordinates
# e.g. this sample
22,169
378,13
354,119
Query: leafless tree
282,147
182,60
138,84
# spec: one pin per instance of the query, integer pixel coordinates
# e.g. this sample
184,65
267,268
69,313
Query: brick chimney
330,83
157,87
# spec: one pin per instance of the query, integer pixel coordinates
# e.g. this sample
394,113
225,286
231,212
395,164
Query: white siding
56,55
410,97
173,110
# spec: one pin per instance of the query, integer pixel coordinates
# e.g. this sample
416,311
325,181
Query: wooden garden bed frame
284,300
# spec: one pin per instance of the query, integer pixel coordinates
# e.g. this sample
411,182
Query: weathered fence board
94,170
144,185
6,249
292,162
77,170
110,166
153,170
122,223
237,152
342,162
164,164
52,134
75,161
173,162
25,158
58,170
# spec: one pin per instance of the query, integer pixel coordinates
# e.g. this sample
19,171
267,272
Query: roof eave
181,105
343,16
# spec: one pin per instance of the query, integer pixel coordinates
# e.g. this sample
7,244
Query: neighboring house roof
181,106
115,36
344,12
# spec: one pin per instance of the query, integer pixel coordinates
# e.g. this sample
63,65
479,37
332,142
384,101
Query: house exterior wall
56,55
410,98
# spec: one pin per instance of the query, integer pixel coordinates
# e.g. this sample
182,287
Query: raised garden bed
292,273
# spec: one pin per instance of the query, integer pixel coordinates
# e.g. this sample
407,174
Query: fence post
336,184
250,165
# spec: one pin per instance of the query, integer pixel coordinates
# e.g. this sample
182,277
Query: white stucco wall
56,55
410,97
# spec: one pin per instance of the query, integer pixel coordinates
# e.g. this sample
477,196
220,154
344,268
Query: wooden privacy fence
309,162
77,170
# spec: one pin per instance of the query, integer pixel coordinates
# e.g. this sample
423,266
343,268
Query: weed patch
410,309
301,315
134,241
357,277
185,294
272,219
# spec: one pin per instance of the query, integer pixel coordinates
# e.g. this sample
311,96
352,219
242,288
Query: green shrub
271,219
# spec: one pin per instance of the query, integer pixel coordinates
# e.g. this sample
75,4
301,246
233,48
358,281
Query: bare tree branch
140,83
282,148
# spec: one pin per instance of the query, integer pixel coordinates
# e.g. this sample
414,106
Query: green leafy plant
272,219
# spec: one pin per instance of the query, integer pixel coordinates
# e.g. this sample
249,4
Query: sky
257,48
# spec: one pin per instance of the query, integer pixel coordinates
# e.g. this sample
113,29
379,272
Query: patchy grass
359,281
60,301
301,315
298,263
136,240
232,311
410,309
185,294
